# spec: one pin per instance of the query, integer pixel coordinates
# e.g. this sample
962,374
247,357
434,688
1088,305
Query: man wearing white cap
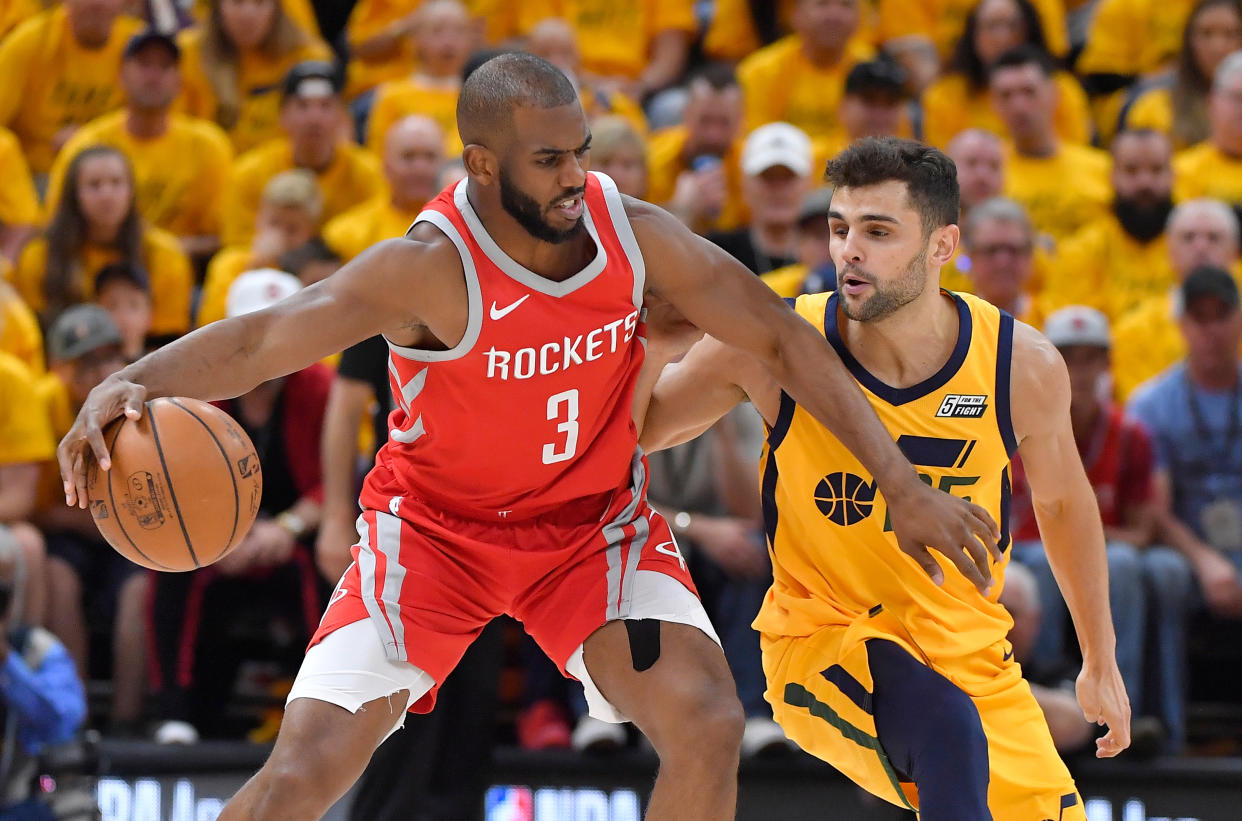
274,565
1117,453
776,169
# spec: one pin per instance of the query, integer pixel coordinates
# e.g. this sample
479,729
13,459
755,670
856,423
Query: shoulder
768,59
1035,360
24,39
34,254
1193,157
361,158
949,89
161,242
1088,158
201,131
666,143
15,376
263,159
1139,320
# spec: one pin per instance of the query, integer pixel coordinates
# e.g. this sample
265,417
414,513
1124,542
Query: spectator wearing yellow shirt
180,163
20,336
776,162
60,71
234,65
814,271
1121,259
25,443
13,12
379,36
96,223
19,204
1176,104
999,244
1200,233
1063,186
636,47
290,211
980,159
801,78
695,167
553,39
619,151
738,27
442,40
1214,167
944,21
413,155
959,98
313,119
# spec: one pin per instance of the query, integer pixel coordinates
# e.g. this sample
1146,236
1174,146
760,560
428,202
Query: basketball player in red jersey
511,481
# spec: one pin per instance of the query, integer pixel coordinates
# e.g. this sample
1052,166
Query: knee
289,787
705,720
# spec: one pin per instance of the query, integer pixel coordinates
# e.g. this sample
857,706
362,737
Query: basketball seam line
112,502
172,494
227,463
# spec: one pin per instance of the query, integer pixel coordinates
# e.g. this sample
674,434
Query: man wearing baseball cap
1117,454
180,162
776,177
1194,413
316,137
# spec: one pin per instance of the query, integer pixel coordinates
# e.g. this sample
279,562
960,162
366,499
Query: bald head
554,40
980,161
492,94
413,155
1202,232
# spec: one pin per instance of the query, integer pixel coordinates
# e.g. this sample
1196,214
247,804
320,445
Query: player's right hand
107,401
926,519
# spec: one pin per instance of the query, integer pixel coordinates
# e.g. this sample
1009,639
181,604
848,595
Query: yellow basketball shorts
820,688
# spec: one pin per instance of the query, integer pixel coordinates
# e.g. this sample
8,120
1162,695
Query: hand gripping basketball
965,533
108,400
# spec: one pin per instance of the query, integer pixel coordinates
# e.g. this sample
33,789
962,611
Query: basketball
183,489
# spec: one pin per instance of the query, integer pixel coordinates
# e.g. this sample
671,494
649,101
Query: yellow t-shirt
945,20
1206,171
25,431
731,33
1145,342
166,265
600,104
1106,268
13,12
401,98
779,83
19,328
361,227
51,82
179,176
1133,36
369,18
787,281
615,36
352,177
260,78
19,204
951,106
666,160
1062,192
225,267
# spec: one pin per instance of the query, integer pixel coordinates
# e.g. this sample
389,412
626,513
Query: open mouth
853,285
569,208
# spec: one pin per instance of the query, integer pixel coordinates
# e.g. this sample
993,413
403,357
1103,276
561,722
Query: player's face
151,78
104,191
543,174
879,249
1088,366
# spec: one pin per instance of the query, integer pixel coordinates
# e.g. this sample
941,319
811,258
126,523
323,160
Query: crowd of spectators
168,163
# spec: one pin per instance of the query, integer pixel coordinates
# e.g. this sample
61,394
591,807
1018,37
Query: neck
909,345
1083,417
146,124
821,56
1042,145
314,157
402,203
1228,144
774,239
1213,376
99,235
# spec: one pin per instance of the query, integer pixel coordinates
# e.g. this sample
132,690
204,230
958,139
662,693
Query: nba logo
510,804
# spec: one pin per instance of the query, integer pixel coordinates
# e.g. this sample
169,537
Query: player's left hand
1103,699
923,518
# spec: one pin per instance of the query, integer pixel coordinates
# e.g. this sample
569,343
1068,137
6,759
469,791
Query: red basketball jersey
532,408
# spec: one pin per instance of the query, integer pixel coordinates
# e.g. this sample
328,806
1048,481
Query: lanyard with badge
1220,519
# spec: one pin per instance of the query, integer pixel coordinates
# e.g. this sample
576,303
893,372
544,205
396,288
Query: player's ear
481,164
944,242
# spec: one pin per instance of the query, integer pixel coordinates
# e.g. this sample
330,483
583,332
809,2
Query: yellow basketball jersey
834,555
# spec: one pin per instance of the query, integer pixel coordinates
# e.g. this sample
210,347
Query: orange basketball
183,489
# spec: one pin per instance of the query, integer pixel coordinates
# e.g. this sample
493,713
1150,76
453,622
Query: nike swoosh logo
1008,655
501,313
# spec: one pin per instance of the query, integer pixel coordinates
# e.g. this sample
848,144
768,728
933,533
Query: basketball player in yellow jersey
900,675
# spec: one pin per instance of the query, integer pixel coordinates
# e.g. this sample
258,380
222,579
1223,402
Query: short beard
887,300
529,214
1143,221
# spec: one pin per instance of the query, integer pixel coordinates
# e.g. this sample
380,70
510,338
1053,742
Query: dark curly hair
930,176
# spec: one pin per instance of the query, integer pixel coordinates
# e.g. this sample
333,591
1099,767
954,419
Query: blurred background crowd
167,163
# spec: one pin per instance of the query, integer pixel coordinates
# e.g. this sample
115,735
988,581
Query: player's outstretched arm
1069,523
716,293
384,290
